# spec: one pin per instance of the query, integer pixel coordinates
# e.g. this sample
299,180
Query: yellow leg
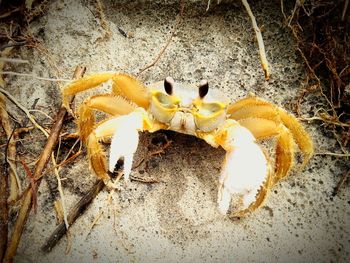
261,128
253,107
131,89
123,84
256,111
107,103
284,155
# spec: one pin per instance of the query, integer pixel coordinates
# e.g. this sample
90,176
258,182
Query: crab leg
246,173
107,103
124,131
253,107
123,84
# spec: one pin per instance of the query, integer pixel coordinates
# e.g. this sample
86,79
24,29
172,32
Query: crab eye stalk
203,88
169,85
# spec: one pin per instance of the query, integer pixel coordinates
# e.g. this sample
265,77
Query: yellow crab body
246,175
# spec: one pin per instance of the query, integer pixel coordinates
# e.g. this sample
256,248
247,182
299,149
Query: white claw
125,141
244,172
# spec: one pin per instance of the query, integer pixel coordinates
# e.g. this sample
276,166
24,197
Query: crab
247,174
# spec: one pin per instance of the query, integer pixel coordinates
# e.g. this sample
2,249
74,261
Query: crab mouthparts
183,122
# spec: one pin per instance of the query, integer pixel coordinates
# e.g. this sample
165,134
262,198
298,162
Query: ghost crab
247,172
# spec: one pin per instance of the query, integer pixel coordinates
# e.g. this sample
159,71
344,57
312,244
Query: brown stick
341,183
74,213
10,149
81,206
27,197
3,211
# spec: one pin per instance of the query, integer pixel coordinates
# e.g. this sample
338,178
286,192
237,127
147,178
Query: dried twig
102,17
10,149
94,223
334,154
60,190
32,184
74,213
33,76
177,22
14,60
4,195
263,59
26,111
3,211
15,185
88,198
341,183
27,197
12,44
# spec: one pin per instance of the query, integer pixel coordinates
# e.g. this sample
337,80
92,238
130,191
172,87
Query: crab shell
247,173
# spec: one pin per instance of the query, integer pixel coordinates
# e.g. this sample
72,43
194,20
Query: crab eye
169,85
203,88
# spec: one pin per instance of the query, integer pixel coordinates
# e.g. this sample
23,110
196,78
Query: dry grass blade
27,197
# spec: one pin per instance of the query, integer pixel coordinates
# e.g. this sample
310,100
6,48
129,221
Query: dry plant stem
346,4
155,61
102,17
3,211
75,212
60,190
99,215
341,183
14,60
33,76
263,59
27,197
15,185
22,108
32,184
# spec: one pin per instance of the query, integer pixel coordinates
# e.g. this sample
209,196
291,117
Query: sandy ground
177,219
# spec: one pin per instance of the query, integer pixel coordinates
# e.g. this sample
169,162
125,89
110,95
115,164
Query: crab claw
125,141
244,172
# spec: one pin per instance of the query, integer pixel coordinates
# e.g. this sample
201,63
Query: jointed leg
123,84
253,107
107,103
